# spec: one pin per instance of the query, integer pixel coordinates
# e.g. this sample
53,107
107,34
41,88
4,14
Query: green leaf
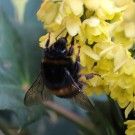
7,7
11,98
62,126
19,62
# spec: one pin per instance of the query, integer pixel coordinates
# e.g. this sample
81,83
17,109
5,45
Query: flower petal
88,51
92,22
45,13
73,25
128,109
91,4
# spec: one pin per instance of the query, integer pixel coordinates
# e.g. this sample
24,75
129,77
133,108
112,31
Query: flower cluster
124,31
105,30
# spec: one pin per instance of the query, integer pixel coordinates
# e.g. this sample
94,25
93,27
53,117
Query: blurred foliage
132,51
20,58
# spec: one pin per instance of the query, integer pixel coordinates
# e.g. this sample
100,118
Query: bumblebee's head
58,49
60,46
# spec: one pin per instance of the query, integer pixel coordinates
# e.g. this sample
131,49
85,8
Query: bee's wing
36,93
80,98
83,101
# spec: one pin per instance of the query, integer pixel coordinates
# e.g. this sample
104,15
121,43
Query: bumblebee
59,75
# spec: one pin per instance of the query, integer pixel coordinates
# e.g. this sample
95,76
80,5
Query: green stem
85,124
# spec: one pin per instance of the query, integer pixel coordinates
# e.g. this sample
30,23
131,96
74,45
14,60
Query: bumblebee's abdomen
65,92
55,77
54,72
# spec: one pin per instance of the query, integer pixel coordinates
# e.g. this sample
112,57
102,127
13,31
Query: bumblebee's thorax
54,71
57,50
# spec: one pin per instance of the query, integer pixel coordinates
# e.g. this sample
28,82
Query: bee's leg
91,75
48,41
77,63
71,49
84,77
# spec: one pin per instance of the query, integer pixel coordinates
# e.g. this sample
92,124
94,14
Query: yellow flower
128,68
70,15
129,108
130,127
129,13
121,3
130,29
117,68
72,7
92,4
45,13
73,25
94,85
117,53
93,30
124,31
106,10
119,94
89,52
87,55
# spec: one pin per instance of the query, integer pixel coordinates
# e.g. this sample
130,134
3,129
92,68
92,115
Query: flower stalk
83,123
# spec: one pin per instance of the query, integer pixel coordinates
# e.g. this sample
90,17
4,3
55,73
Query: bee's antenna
60,33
